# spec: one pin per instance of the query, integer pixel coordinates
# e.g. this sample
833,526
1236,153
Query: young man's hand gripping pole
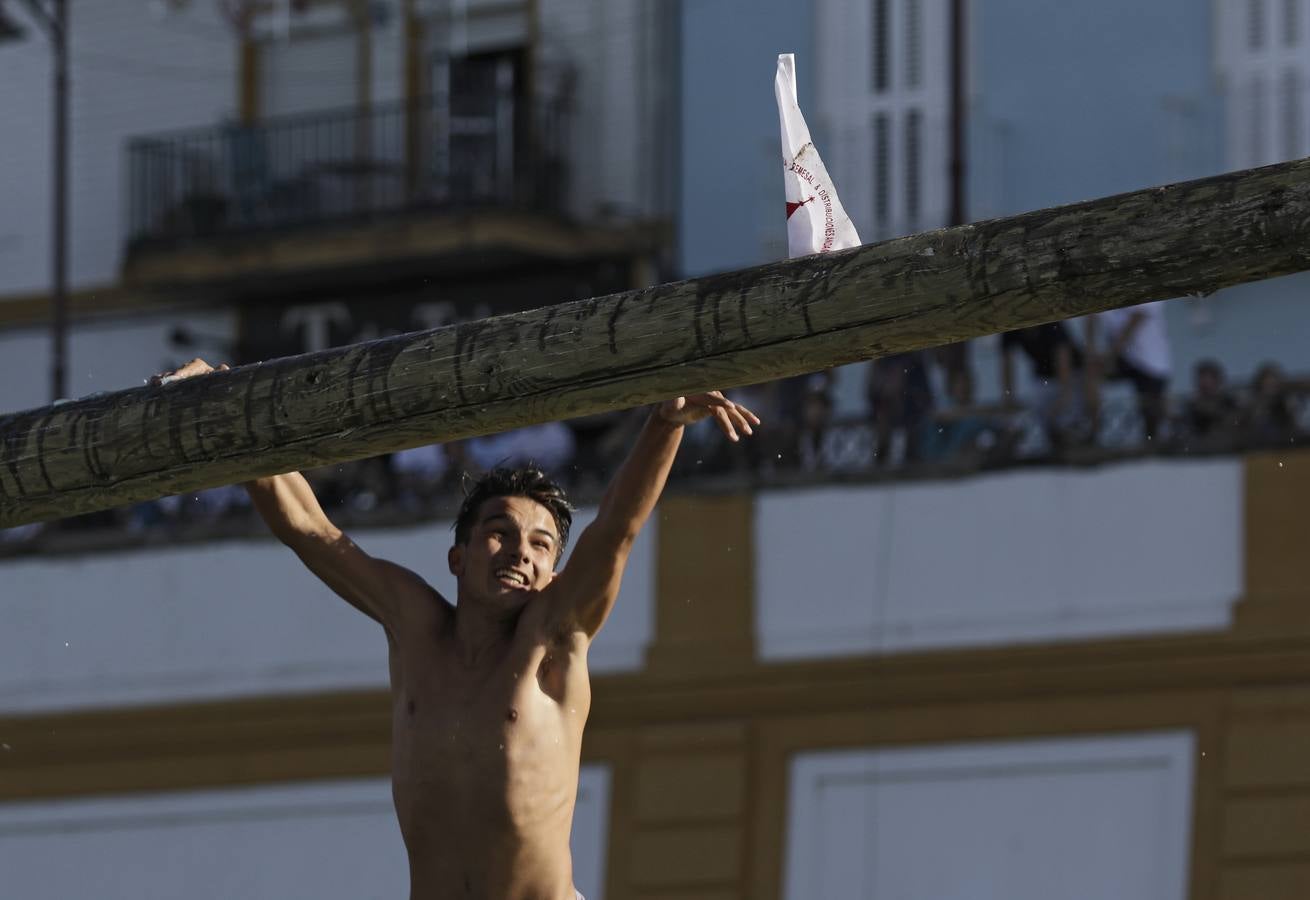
589,585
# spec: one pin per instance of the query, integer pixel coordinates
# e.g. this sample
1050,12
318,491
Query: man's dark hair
526,481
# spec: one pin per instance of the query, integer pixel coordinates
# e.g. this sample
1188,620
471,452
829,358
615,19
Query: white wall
611,45
136,71
1140,548
237,618
1055,554
1079,819
103,355
322,839
133,71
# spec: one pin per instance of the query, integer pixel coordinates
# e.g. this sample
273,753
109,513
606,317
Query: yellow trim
699,752
386,241
33,310
248,81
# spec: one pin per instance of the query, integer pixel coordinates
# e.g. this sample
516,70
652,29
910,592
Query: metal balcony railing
308,169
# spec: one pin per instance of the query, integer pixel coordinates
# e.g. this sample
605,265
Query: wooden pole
640,346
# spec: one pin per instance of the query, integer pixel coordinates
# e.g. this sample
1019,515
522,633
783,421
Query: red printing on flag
792,207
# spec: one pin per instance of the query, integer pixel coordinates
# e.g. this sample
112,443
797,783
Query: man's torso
485,760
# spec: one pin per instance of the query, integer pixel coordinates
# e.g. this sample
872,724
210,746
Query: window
1257,114
881,39
913,43
1292,118
1265,71
1008,818
882,170
883,98
913,169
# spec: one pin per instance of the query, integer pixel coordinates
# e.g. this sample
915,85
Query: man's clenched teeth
512,576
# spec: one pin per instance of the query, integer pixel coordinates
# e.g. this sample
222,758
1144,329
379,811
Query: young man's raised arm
375,587
584,593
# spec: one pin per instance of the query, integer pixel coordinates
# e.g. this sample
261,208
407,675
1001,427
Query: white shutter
883,101
1262,59
308,73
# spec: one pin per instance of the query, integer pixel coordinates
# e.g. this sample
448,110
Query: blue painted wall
1071,101
732,212
1068,101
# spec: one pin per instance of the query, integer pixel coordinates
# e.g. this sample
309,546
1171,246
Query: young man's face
510,552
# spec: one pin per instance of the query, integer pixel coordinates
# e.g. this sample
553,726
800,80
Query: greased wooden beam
618,351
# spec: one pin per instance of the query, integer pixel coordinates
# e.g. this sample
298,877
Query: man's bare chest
502,743
463,715
527,694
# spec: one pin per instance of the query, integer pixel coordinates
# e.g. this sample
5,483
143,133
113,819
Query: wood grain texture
640,346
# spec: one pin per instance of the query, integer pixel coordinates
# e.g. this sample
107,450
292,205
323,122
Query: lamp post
959,37
52,16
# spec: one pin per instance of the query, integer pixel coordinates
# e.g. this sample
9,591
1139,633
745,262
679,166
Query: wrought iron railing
330,166
371,492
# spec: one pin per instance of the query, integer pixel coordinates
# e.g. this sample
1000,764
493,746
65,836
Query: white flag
816,222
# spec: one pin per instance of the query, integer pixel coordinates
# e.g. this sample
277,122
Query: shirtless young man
490,696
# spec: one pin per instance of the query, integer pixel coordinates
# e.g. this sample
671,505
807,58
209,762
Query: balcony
237,200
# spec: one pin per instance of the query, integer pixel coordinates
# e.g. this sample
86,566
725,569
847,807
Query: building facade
1040,680
1064,103
847,692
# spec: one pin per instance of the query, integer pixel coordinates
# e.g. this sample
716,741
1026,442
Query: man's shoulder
412,591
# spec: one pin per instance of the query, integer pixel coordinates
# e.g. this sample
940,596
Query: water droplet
1280,465
65,643
502,746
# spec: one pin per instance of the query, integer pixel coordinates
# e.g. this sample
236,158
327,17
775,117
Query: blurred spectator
763,453
962,430
815,423
1270,416
104,520
549,445
591,454
1058,377
614,443
361,485
214,504
1211,412
153,515
824,445
781,430
900,399
801,428
1135,348
420,473
20,535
